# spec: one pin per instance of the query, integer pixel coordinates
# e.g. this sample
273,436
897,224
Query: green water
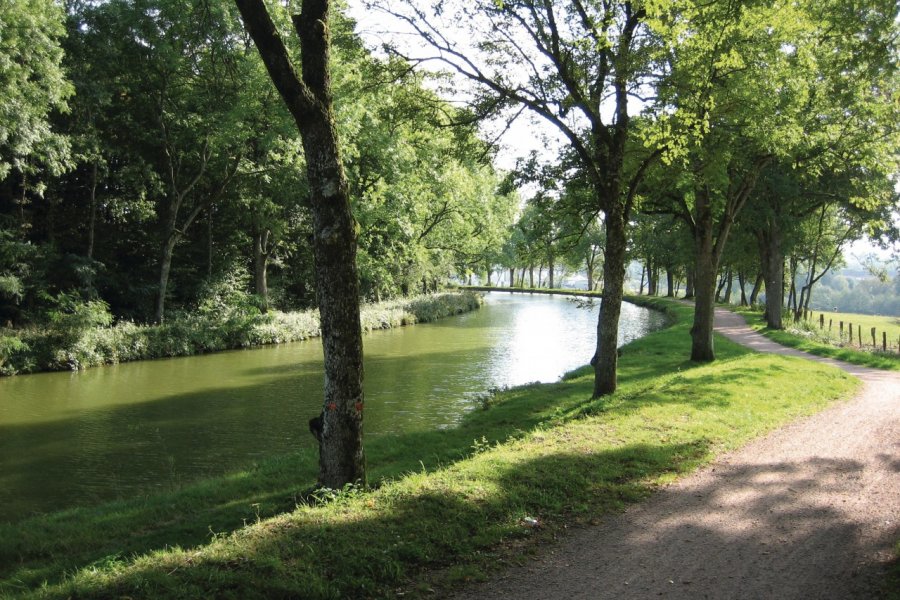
80,438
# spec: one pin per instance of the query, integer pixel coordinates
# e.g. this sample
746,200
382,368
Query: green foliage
32,84
541,451
79,334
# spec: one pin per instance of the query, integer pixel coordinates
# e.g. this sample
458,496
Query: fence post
850,330
822,321
829,325
873,338
859,336
884,341
842,330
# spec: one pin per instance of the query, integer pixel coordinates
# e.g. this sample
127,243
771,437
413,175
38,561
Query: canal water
81,438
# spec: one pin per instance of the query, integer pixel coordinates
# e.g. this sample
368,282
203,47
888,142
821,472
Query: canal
80,438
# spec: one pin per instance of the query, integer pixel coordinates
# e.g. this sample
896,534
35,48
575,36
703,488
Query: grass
808,337
880,322
448,506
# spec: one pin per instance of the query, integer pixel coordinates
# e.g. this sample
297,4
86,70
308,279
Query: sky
529,133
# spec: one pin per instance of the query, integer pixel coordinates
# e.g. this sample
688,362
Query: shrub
79,334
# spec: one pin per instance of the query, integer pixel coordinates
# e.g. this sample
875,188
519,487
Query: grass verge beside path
451,505
807,342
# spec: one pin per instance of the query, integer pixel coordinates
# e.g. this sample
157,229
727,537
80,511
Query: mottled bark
705,267
606,358
338,428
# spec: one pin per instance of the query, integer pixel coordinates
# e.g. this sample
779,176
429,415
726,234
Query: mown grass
891,325
807,337
448,506
80,341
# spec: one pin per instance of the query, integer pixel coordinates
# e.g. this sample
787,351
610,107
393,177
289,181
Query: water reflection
80,438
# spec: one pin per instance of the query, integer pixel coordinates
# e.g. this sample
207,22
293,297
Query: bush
79,334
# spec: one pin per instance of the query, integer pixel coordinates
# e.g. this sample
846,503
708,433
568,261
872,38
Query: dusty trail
810,511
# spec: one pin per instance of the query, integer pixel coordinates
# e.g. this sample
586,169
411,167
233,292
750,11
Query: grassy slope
876,360
451,502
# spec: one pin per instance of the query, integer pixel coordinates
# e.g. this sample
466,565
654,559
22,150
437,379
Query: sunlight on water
80,438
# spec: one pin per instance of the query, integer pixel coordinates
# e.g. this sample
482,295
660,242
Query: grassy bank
448,505
85,338
807,336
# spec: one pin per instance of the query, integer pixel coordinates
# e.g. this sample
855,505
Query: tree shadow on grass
42,549
370,545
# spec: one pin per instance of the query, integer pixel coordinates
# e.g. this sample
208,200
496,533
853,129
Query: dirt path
810,511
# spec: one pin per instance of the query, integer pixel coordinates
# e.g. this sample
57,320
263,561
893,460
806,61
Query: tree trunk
757,286
605,360
720,287
550,269
705,269
92,220
531,276
689,284
512,277
260,267
210,253
729,278
641,289
338,428
772,263
670,283
742,282
167,249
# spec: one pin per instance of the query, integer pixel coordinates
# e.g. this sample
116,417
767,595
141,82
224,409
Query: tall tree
32,86
309,99
575,64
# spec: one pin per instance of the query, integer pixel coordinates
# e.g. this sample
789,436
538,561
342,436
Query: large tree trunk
772,263
605,360
670,283
705,268
338,429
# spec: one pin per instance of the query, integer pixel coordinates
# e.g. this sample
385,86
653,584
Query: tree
309,99
32,85
751,84
564,61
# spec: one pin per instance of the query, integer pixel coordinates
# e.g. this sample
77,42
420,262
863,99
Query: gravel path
810,511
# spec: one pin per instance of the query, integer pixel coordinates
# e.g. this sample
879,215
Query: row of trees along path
809,511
